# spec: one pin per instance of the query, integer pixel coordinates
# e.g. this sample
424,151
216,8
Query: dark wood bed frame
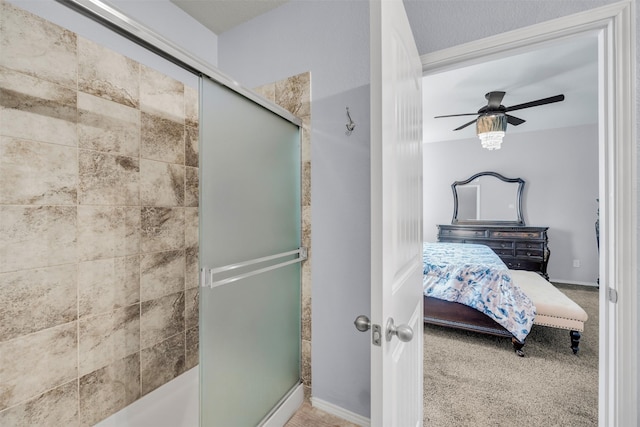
460,316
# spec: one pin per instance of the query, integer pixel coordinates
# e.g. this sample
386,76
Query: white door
396,218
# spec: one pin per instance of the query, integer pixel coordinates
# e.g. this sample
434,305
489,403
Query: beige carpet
477,380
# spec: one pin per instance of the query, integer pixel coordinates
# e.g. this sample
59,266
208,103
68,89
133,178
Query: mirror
488,198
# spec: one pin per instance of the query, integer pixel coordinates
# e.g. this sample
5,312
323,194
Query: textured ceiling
568,67
222,15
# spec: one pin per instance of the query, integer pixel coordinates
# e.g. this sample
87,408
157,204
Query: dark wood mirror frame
518,201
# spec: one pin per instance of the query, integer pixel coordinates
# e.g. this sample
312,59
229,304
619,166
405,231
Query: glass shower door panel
248,373
249,209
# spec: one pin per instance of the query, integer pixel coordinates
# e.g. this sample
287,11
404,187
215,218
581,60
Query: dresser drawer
514,264
461,233
500,248
537,255
503,252
497,244
538,246
515,234
450,239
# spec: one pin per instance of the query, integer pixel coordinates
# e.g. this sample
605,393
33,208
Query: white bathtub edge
183,394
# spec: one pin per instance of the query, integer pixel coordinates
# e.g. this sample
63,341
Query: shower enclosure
98,215
250,259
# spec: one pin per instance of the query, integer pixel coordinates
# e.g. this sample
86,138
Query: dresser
520,247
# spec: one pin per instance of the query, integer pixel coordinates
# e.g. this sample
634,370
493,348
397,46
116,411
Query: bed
467,286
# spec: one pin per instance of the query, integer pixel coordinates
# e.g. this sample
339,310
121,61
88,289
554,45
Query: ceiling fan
492,119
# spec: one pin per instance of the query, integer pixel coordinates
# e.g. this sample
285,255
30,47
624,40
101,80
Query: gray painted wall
330,39
560,169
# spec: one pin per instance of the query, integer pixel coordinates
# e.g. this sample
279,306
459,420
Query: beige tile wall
294,94
98,224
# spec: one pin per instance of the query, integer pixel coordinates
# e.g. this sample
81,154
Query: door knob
362,323
403,332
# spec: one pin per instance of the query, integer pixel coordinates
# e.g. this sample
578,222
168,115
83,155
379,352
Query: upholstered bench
553,308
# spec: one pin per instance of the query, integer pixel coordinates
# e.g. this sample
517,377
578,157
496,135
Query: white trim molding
615,26
339,412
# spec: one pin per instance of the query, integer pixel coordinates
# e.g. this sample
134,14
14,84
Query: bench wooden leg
517,347
575,341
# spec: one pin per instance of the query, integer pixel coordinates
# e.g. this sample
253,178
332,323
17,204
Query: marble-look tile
191,187
294,94
34,173
108,284
161,318
37,47
107,232
192,268
161,184
161,274
34,237
107,338
162,229
267,91
32,364
191,227
108,74
108,126
191,147
57,407
36,109
191,307
162,362
192,348
305,298
191,106
33,300
161,139
306,140
107,390
306,184
161,95
306,362
107,179
306,226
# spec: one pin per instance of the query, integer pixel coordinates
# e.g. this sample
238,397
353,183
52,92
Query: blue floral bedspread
474,275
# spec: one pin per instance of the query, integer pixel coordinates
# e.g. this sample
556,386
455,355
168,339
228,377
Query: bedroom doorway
614,26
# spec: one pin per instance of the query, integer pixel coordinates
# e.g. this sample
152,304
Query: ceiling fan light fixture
490,129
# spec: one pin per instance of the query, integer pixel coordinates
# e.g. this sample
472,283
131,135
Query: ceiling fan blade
456,115
494,98
466,124
543,101
514,121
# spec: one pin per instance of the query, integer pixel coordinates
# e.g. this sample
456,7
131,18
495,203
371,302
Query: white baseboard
332,409
574,282
287,408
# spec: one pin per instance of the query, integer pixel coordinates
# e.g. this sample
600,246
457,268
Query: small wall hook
351,125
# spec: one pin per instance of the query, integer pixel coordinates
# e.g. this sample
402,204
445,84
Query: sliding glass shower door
250,259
